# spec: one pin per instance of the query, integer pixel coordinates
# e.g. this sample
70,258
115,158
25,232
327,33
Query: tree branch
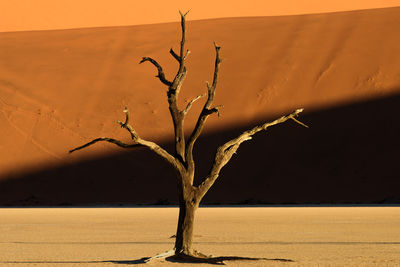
207,110
186,54
110,140
247,134
181,74
173,93
128,127
175,55
183,26
189,105
160,75
213,110
226,151
138,142
216,69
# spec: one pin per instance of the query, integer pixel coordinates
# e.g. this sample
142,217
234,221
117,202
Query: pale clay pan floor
310,236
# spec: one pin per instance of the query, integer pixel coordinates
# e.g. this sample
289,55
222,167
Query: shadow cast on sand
220,260
211,260
349,155
139,261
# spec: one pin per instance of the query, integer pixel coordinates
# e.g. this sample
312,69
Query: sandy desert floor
310,236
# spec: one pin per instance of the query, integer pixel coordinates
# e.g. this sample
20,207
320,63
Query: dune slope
59,89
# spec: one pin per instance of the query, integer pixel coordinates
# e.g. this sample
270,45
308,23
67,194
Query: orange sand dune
59,89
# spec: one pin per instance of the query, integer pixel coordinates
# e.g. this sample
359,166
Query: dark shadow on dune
349,155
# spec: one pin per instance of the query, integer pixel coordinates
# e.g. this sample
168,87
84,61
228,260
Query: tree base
198,257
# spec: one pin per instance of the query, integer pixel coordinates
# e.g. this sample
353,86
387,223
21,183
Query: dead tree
182,160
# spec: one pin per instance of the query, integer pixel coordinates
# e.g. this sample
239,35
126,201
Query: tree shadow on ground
220,260
211,260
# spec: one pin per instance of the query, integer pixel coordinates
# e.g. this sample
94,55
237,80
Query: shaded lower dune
349,155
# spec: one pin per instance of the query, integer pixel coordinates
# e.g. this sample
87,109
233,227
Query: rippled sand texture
333,236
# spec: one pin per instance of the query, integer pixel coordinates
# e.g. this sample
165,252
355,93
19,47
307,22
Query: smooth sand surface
310,236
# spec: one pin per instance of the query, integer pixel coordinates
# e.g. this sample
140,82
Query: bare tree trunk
184,231
188,205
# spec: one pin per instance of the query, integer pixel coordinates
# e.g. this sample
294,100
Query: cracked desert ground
310,236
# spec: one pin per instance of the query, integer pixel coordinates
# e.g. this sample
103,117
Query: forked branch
226,151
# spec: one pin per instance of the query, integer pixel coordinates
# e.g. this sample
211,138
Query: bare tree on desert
189,195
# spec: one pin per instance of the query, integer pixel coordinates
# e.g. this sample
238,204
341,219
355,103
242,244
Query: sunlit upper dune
24,15
59,89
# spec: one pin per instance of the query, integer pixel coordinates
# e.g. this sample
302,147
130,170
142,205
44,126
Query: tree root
160,256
